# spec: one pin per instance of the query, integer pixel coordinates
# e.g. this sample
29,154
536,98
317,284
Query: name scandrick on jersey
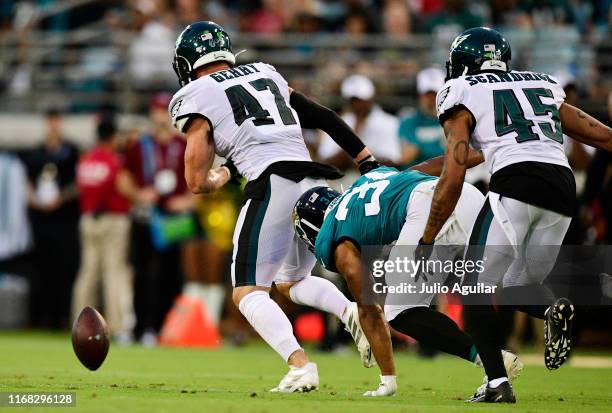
234,72
507,77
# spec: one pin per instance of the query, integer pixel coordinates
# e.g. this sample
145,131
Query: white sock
388,380
496,382
321,294
270,322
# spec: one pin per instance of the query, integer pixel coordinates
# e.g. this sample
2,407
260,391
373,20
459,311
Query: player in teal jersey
371,212
383,207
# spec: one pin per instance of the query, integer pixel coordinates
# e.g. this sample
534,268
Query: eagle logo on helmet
458,40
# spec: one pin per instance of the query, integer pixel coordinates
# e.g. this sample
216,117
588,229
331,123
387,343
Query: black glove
422,253
235,176
367,164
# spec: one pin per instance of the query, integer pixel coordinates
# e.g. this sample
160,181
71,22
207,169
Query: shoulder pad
181,107
451,95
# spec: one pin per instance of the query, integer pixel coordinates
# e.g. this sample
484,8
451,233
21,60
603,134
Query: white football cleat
513,366
354,327
299,379
387,387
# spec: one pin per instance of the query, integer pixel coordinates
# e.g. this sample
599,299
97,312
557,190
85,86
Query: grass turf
135,379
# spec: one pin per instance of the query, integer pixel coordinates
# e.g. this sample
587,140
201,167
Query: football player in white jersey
249,115
517,120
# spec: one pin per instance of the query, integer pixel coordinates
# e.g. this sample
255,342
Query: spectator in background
510,14
152,46
15,235
269,19
54,215
188,11
452,20
377,129
104,230
396,18
421,134
306,22
155,164
357,23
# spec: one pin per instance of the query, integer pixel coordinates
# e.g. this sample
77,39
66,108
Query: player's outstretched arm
448,189
585,128
316,116
199,157
348,262
435,165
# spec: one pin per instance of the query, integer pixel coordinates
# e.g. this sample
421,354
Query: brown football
90,338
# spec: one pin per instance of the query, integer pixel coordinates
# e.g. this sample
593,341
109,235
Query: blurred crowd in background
115,54
114,225
395,17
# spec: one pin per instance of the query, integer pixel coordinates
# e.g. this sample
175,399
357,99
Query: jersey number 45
509,115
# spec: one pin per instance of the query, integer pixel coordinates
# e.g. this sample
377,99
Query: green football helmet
476,50
199,44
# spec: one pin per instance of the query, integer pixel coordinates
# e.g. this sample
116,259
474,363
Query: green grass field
135,379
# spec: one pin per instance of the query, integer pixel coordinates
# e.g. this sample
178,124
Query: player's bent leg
274,327
322,294
291,281
319,293
549,231
435,329
540,247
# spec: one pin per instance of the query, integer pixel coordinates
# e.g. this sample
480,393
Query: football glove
367,164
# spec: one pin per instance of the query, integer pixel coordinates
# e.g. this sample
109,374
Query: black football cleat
558,333
500,394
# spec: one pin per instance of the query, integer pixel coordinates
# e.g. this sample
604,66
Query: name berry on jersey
234,72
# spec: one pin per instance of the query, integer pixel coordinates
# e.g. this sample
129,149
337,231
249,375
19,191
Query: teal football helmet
199,44
478,49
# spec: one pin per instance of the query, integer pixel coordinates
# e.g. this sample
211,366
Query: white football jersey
516,114
248,109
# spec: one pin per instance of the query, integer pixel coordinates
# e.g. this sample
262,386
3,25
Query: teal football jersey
371,212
